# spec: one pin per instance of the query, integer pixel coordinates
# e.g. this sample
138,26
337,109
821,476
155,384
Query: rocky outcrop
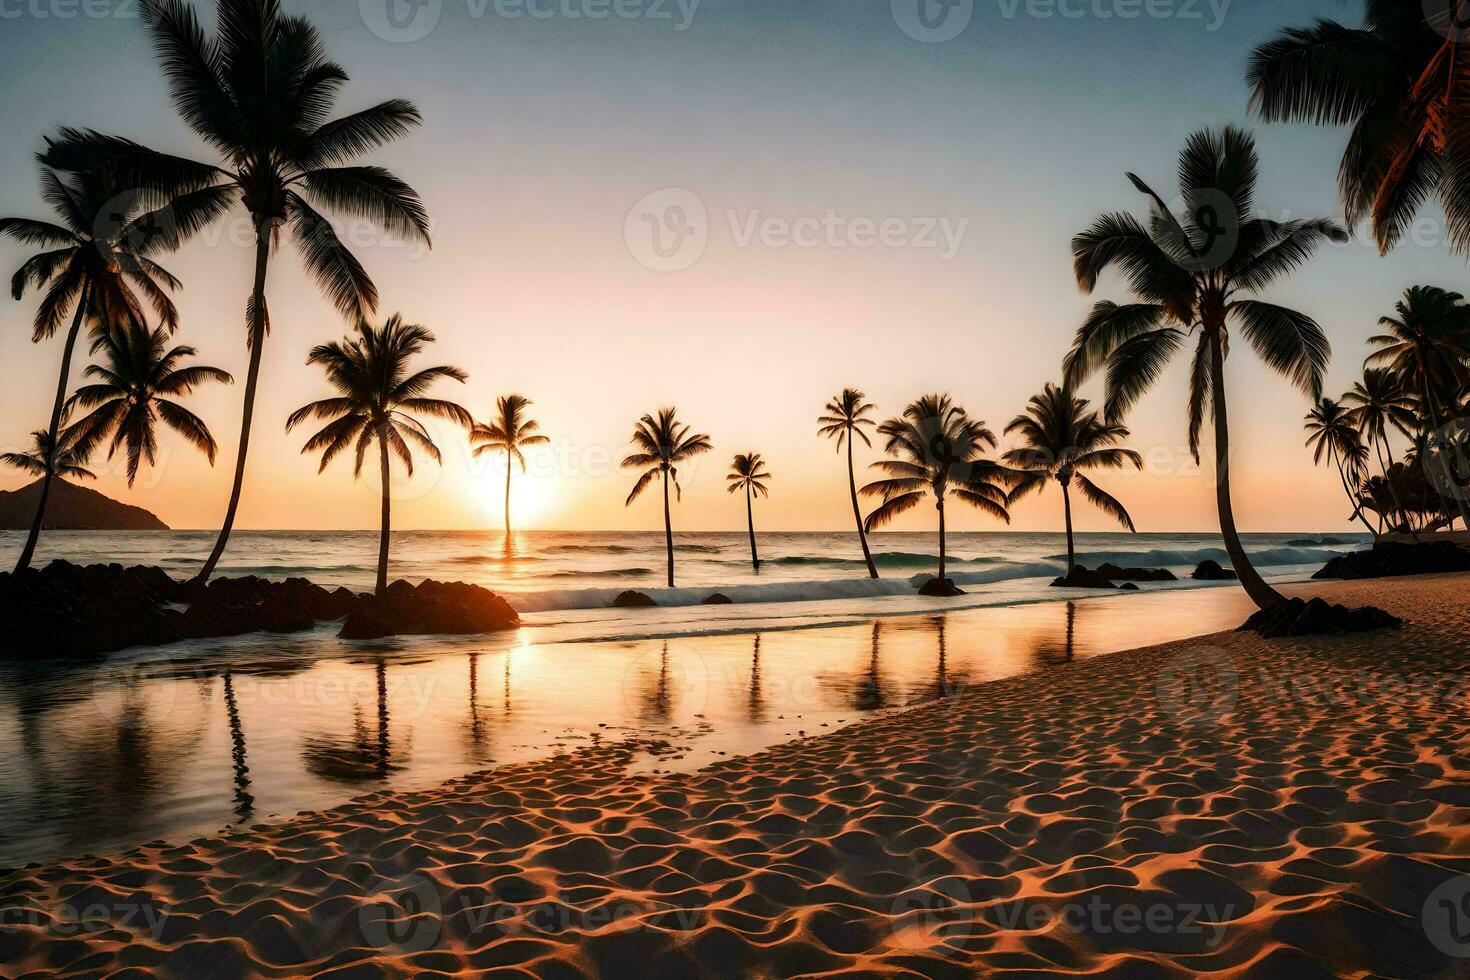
1083,578
940,587
1107,575
429,608
633,600
1210,570
73,508
1392,558
1317,617
717,599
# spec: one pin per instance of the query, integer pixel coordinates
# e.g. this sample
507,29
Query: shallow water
178,742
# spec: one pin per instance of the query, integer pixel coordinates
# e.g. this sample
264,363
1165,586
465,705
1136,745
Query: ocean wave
810,591
604,573
883,559
489,558
608,549
1193,556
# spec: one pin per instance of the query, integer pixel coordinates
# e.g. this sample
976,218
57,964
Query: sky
842,195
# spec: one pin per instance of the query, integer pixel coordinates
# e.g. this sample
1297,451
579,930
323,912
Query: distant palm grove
1197,281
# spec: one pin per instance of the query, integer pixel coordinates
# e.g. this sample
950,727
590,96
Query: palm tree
39,460
1427,348
662,444
376,400
1189,273
134,391
1062,437
1380,400
747,471
94,261
507,433
1400,82
260,93
939,450
1332,432
844,421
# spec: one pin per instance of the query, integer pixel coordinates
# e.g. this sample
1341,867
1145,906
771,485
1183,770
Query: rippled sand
1221,806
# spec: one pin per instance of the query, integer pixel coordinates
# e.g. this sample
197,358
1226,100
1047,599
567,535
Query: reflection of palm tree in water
244,802
1048,652
943,686
505,692
362,756
868,694
756,708
657,702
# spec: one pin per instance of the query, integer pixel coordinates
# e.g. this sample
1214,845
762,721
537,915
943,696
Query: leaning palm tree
662,444
376,400
39,460
845,420
260,93
1400,82
136,383
747,471
1332,432
1190,273
938,450
1062,437
94,260
507,433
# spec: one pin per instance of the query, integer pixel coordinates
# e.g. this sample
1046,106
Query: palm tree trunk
252,378
857,514
1261,594
507,499
1348,489
941,540
668,529
755,561
61,385
1067,511
387,517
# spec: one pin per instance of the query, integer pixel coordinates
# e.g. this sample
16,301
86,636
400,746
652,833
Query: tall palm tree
1401,83
95,261
134,391
662,444
1332,432
747,471
938,450
1189,273
1061,437
1380,400
508,432
260,93
40,460
376,400
845,420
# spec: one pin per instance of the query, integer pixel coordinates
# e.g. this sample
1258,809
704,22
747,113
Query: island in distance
73,508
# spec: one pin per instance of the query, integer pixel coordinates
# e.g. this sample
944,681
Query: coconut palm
508,433
1333,433
134,390
938,450
663,442
1191,274
1380,400
376,398
845,421
1400,82
94,261
1061,437
39,460
260,93
747,471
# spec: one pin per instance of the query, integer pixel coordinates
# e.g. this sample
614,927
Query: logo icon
932,21
667,231
1449,18
403,914
1446,460
1198,687
1446,917
401,21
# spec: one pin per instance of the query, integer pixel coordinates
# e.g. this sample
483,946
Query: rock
1128,587
69,610
212,616
1210,570
717,599
633,600
1316,617
1116,574
941,587
430,608
1083,578
1398,558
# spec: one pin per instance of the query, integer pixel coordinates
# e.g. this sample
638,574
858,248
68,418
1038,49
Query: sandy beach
1226,806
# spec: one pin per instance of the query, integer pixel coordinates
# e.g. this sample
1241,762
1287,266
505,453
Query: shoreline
1315,801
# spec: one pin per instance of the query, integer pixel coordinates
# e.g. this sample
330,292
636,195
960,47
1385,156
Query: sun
532,496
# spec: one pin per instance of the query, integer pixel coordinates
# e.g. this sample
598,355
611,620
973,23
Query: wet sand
1220,806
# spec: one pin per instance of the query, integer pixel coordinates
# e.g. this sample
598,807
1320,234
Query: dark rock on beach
1116,574
1398,558
941,587
1210,570
1083,578
1317,617
717,599
430,608
633,600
